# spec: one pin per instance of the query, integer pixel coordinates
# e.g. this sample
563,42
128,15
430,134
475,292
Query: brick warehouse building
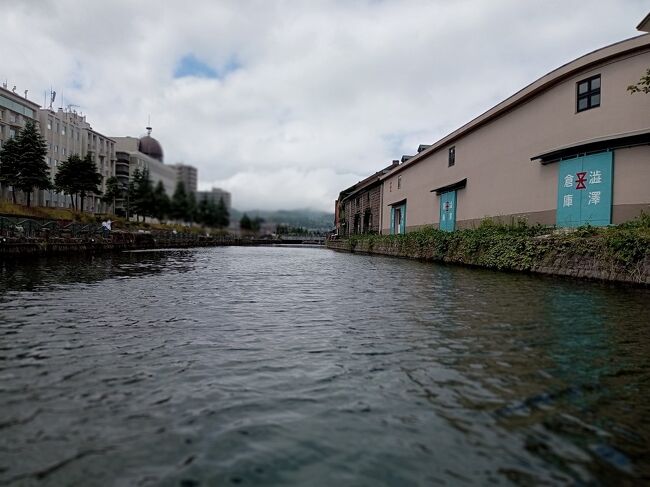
358,207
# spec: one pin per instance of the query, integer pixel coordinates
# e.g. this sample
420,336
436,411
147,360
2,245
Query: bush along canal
619,254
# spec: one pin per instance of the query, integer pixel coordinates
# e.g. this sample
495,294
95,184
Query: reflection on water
272,366
30,273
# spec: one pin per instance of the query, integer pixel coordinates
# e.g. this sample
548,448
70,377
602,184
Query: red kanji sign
582,179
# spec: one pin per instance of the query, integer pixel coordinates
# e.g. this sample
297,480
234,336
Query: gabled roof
583,63
644,26
365,183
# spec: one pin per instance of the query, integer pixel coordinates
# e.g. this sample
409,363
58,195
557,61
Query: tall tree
191,207
131,193
33,171
222,214
141,193
89,179
245,223
203,212
256,224
113,192
179,204
66,179
161,203
146,194
10,165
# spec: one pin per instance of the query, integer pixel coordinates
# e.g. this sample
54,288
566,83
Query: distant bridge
291,240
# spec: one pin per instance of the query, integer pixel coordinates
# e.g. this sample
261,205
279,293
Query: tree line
144,200
23,167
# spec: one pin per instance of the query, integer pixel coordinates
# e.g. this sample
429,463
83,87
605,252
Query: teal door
584,195
398,219
448,211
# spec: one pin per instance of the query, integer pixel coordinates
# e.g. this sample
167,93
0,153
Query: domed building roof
150,146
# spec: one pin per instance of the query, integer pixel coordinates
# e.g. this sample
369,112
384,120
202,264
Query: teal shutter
448,211
584,194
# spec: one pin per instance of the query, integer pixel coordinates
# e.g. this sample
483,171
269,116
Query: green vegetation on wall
519,246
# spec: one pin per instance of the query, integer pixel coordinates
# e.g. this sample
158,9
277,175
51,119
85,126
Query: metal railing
20,227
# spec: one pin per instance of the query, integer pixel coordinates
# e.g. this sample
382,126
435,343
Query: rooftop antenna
149,125
26,93
4,84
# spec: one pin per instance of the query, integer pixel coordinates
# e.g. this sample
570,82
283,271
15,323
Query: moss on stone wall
618,253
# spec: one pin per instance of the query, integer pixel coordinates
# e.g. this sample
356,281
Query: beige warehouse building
569,149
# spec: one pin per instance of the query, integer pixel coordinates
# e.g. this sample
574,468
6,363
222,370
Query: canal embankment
21,236
124,241
617,254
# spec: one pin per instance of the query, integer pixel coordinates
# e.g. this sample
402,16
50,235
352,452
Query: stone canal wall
14,247
620,254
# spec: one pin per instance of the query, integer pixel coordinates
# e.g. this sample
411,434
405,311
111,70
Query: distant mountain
310,219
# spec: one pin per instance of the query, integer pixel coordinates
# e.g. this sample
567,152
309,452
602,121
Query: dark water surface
302,366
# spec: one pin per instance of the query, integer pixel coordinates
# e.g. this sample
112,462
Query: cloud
285,186
321,93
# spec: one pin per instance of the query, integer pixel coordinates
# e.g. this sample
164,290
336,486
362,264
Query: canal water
303,366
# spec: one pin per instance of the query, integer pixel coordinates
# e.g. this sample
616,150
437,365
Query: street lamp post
125,188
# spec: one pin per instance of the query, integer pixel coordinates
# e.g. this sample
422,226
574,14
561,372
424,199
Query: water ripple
300,366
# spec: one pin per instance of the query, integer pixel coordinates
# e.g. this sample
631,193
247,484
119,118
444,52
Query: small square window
588,93
452,156
583,104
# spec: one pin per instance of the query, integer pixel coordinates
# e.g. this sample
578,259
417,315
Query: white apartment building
66,133
15,110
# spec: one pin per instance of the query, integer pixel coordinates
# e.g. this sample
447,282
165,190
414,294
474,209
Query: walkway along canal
29,237
302,366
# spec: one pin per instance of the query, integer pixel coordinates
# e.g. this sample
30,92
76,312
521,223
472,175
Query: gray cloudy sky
285,103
